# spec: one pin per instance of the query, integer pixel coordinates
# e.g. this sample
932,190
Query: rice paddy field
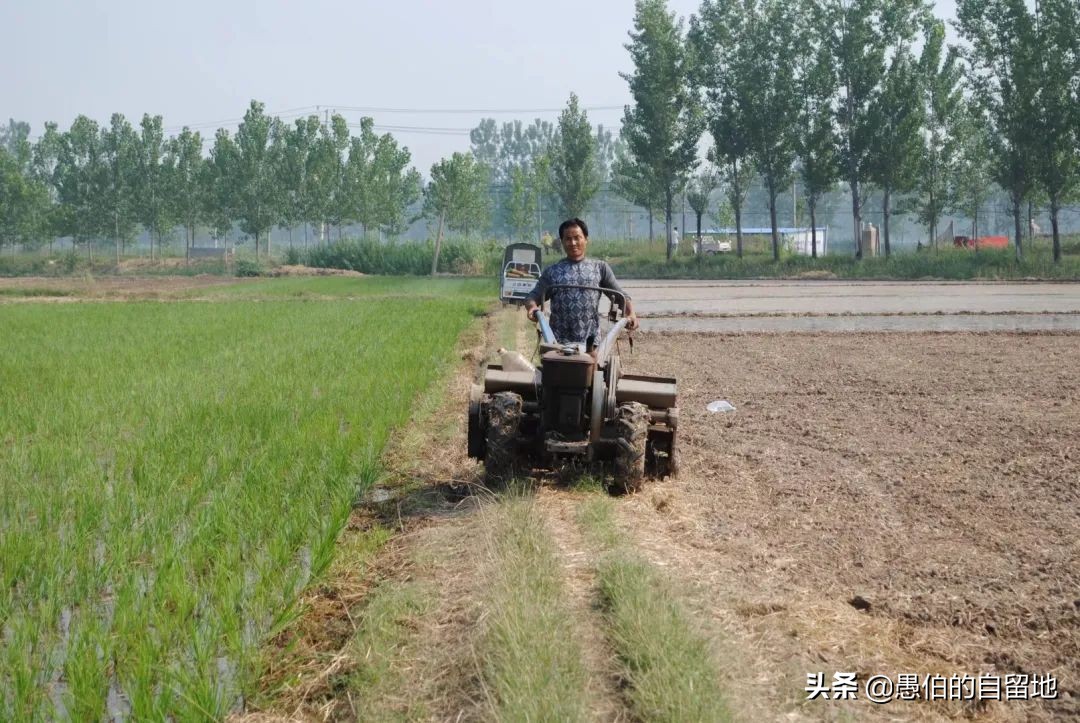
173,473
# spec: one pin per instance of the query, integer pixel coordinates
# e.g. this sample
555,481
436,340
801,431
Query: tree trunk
256,246
698,213
1054,226
1030,225
738,228
651,234
438,245
772,219
812,203
886,212
667,220
856,216
1017,212
932,225
736,205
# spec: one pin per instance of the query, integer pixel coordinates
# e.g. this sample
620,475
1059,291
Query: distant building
759,239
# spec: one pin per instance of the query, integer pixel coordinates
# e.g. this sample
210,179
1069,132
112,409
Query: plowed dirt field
880,504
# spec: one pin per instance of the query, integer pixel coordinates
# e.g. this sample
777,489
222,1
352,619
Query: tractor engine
564,403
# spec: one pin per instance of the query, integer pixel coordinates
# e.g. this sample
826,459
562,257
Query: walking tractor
577,411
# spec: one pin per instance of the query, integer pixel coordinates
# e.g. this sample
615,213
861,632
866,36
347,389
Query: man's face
574,243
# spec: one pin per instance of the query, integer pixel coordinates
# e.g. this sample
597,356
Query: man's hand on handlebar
530,310
628,312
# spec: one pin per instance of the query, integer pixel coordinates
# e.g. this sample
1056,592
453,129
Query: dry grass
306,662
532,664
665,660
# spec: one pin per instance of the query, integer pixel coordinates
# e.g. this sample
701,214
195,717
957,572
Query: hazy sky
199,63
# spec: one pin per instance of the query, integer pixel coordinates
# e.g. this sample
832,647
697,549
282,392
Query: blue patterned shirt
575,316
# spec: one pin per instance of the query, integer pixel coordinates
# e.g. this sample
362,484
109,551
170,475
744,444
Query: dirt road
740,306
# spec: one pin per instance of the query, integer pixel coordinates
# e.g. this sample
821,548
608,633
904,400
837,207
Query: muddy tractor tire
503,423
632,432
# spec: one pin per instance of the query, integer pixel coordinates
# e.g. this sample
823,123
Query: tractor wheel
503,422
632,432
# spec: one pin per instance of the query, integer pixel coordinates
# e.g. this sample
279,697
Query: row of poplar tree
863,93
94,182
859,92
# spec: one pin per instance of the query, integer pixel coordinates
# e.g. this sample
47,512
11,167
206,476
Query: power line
372,109
419,129
299,111
314,109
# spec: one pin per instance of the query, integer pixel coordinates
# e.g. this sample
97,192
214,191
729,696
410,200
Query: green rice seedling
345,286
86,673
664,659
181,471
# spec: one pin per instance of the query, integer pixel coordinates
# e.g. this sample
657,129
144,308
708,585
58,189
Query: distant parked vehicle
711,246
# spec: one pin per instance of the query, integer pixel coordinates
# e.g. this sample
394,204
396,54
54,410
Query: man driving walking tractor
575,316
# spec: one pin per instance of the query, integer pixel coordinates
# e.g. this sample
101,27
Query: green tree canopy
574,174
898,117
715,38
257,192
664,125
457,196
156,198
185,163
863,35
942,97
1058,125
816,143
1003,71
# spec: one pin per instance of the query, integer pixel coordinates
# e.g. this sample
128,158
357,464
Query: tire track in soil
578,559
